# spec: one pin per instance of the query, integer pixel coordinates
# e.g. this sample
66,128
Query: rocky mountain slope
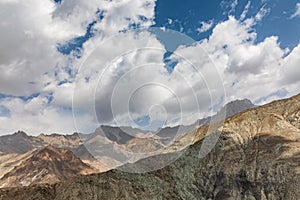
9,161
257,156
46,165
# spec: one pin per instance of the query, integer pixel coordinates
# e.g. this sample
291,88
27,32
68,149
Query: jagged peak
20,133
245,100
75,134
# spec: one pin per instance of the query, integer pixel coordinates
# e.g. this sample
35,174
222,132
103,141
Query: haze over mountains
256,157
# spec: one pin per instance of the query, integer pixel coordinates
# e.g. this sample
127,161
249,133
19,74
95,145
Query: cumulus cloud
37,116
30,62
121,75
244,62
27,45
290,67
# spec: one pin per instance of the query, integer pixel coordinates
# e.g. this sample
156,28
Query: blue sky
186,17
54,54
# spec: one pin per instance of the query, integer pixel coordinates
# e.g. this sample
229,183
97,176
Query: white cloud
27,45
229,6
233,5
262,13
250,69
35,116
205,26
136,78
297,12
290,69
29,56
245,11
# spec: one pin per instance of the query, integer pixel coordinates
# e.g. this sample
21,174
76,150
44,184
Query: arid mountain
70,142
257,156
62,141
15,145
9,161
46,165
123,139
19,142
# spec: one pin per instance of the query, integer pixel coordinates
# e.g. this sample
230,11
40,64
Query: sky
71,66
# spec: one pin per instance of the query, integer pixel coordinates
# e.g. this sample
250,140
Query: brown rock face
256,157
47,165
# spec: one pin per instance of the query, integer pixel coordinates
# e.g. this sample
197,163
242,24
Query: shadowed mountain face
118,134
257,156
19,142
47,165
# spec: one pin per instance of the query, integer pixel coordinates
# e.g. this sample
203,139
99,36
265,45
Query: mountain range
19,149
256,156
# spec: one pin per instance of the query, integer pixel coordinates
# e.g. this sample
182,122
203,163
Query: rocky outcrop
257,156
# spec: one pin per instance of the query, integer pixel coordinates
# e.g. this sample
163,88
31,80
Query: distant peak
236,106
20,133
240,101
54,135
